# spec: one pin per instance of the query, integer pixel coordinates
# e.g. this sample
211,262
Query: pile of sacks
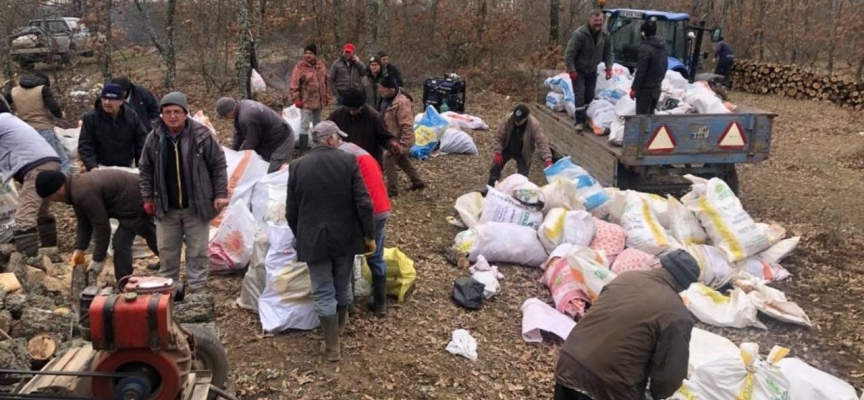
445,133
612,99
583,236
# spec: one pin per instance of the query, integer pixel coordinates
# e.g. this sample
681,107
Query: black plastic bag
468,293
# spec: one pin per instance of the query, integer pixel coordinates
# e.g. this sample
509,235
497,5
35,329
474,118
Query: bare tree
164,45
372,17
554,22
105,64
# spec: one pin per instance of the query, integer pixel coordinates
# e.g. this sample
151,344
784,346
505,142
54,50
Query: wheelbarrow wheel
209,355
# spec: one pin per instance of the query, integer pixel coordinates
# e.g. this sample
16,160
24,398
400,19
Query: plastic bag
644,231
499,207
742,376
773,302
400,273
555,101
601,113
613,96
507,243
454,141
488,275
809,383
466,121
726,222
561,193
684,225
764,270
255,278
287,301
538,316
468,292
257,83
715,269
69,140
626,106
428,132
780,250
562,226
706,347
703,99
589,274
294,117
231,247
281,251
463,345
8,208
362,287
269,196
713,308
616,132
561,84
595,200
634,260
245,169
610,239
470,206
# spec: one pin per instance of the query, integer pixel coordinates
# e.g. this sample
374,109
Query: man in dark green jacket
588,46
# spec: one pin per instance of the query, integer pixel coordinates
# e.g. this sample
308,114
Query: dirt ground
810,185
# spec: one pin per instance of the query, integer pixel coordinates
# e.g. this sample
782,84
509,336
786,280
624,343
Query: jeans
180,227
307,116
724,67
376,260
331,284
122,244
51,138
30,205
584,88
495,170
646,101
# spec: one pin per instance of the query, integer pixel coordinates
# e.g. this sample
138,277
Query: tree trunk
554,22
170,53
481,30
763,5
105,64
242,65
337,24
5,47
836,12
373,10
859,72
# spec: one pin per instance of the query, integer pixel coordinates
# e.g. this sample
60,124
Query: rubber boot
330,326
304,143
47,227
378,301
342,313
27,242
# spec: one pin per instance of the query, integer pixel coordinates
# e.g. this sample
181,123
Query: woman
370,83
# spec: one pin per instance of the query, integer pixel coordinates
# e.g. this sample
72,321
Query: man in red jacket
374,180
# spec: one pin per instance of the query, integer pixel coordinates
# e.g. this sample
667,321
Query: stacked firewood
796,82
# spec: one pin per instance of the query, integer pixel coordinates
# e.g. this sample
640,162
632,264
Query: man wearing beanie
23,155
517,135
638,329
97,197
346,73
399,120
650,70
364,126
388,69
184,184
140,99
112,134
258,128
309,91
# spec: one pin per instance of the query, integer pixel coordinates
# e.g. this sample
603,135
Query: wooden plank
200,389
75,360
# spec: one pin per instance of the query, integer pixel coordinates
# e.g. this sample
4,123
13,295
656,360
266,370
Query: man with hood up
650,70
34,103
112,134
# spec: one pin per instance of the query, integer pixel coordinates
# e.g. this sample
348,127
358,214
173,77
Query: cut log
41,348
13,354
10,282
15,303
195,308
6,322
35,321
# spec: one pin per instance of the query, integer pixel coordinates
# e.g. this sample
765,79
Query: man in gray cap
330,212
258,128
639,329
184,184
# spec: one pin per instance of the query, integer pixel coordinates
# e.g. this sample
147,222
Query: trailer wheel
626,178
209,354
731,179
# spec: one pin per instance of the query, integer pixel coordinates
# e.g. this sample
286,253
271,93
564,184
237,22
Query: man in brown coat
516,138
399,119
639,329
96,197
309,91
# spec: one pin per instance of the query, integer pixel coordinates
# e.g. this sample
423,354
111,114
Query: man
364,125
725,58
589,45
96,198
34,103
258,128
346,73
139,99
23,155
184,184
309,91
370,170
389,69
330,212
650,70
516,138
399,120
639,329
112,134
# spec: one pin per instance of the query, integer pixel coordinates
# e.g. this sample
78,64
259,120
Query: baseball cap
327,128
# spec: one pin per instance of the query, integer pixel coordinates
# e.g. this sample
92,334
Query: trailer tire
209,354
625,178
731,179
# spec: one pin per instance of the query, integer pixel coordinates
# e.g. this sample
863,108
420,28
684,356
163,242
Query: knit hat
49,182
348,47
112,91
374,60
389,81
353,98
311,47
224,105
521,112
682,266
382,53
175,99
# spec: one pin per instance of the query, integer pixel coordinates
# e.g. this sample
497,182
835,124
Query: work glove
632,94
498,159
370,247
573,76
608,74
298,103
548,162
96,266
150,208
77,257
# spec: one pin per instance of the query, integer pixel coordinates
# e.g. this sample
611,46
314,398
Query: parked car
49,40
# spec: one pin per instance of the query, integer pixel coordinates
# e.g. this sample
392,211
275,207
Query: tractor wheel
209,354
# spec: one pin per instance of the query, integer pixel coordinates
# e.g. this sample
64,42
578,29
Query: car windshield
626,38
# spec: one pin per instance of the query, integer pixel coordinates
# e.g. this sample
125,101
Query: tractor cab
623,26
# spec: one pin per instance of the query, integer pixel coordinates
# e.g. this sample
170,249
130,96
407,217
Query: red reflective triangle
733,138
661,140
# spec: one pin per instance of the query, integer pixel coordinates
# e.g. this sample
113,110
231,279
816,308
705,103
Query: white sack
231,247
809,383
706,347
713,308
507,243
466,121
245,169
602,114
561,226
293,116
561,84
715,269
499,207
538,316
454,141
644,231
742,376
255,278
470,206
561,193
684,225
555,101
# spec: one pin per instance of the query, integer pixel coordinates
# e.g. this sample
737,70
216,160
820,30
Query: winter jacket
329,209
373,177
34,103
309,84
584,54
652,64
99,196
144,104
111,142
205,173
259,128
345,75
724,50
21,148
370,88
637,329
399,119
4,105
393,70
533,136
366,130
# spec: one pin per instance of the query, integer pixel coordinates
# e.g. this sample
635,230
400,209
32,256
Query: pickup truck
50,39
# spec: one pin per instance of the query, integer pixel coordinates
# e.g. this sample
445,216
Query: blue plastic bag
427,133
593,197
